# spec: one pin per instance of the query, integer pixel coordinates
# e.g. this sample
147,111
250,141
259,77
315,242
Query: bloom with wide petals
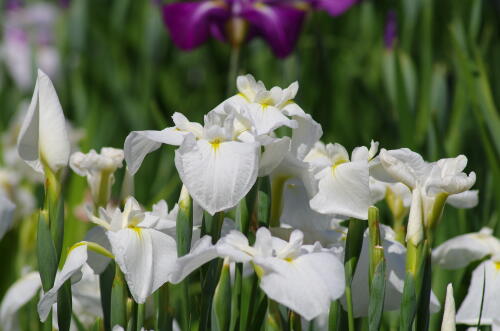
43,140
303,278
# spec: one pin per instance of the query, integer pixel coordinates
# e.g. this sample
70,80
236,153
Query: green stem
234,62
277,187
354,243
140,316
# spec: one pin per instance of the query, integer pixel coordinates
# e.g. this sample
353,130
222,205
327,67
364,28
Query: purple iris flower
278,22
391,30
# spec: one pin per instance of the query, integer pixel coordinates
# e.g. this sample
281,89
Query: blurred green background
436,91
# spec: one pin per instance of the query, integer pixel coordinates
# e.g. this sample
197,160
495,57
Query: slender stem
140,316
353,249
234,62
277,187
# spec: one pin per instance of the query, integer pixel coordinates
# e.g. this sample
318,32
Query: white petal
7,209
344,190
75,260
266,119
404,165
448,323
395,256
305,136
458,252
54,145
470,307
466,199
273,155
306,285
217,177
202,252
138,144
17,296
235,246
97,261
145,256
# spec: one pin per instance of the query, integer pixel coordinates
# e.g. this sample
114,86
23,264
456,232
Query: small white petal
404,165
448,323
75,260
17,296
466,199
415,231
138,144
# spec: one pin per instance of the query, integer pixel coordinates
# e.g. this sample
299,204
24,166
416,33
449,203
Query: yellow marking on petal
243,96
302,5
497,266
215,144
136,229
81,243
260,5
336,164
258,270
288,259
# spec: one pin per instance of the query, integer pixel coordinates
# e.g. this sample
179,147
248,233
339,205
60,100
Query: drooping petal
75,260
217,175
279,25
466,199
305,136
334,7
145,257
306,285
43,135
458,252
470,308
17,296
266,119
235,246
190,23
138,144
343,190
202,252
7,209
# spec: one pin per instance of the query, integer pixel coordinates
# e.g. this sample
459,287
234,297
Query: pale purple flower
391,30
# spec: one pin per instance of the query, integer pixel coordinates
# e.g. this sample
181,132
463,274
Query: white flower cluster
314,187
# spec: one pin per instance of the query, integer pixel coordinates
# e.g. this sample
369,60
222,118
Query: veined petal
189,22
202,252
279,25
145,257
343,190
235,246
458,252
470,307
217,175
17,296
306,285
466,199
75,260
305,136
273,154
7,209
138,144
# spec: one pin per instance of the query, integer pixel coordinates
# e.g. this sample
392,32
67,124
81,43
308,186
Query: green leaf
118,300
408,303
46,252
221,305
184,227
105,286
377,296
334,316
64,306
